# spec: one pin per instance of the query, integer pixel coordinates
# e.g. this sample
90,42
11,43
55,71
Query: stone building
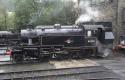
121,16
108,11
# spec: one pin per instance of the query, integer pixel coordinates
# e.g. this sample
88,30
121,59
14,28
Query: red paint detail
8,52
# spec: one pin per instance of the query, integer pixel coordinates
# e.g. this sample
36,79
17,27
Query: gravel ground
115,62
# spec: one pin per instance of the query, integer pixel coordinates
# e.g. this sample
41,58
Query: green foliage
46,12
2,17
10,20
6,19
36,12
23,9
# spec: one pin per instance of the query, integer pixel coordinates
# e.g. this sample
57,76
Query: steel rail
56,73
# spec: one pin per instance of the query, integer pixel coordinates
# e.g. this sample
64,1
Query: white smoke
87,12
103,51
83,18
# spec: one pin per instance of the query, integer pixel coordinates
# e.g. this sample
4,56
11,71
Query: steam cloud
87,12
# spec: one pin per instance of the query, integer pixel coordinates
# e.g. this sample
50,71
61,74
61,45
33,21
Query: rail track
78,73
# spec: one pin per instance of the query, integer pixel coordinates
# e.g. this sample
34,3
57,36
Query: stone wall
110,11
113,11
121,5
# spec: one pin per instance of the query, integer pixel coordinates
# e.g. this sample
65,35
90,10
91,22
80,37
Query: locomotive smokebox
29,34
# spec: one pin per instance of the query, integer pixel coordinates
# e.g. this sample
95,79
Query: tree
6,15
23,10
43,12
3,17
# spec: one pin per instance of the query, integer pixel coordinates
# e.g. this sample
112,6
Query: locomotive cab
96,32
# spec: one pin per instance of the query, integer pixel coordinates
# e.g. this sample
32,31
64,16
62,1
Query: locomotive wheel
43,58
40,58
17,58
75,55
62,56
96,55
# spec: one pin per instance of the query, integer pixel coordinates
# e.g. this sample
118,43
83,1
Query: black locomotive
8,38
59,42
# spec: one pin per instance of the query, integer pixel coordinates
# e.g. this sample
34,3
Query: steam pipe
30,41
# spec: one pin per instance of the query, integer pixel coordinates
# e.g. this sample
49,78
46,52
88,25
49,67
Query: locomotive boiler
8,38
58,42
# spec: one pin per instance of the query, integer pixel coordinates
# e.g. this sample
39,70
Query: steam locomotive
59,42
